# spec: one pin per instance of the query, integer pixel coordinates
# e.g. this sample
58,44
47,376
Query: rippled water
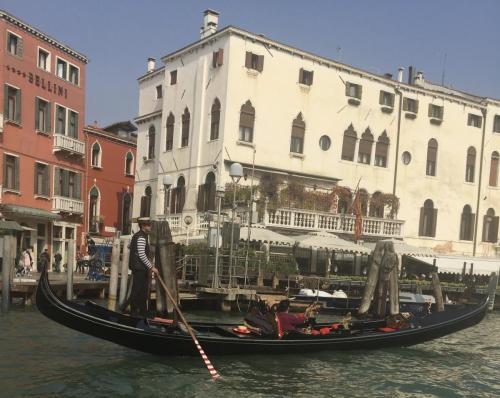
39,358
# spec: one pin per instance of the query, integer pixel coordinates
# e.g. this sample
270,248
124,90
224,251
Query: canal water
39,358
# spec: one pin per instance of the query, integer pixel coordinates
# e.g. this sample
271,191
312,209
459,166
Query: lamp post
220,194
167,183
235,172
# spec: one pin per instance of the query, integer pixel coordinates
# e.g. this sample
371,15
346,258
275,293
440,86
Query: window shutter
211,196
37,116
494,230
301,75
20,49
246,119
260,63
416,106
430,110
471,226
18,106
35,189
78,186
6,101
46,179
16,173
220,57
143,206
173,201
5,170
312,77
347,87
381,98
182,198
201,198
348,147
434,221
48,116
359,92
421,222
57,183
75,132
65,183
405,104
214,59
248,59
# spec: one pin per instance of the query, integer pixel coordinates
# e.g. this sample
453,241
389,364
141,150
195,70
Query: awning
30,212
402,248
260,233
331,242
455,264
10,226
27,228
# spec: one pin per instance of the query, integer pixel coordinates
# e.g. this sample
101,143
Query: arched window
432,148
349,143
146,202
494,169
376,205
94,210
178,196
215,120
206,194
186,119
129,164
247,120
298,131
126,212
151,142
428,219
471,164
365,147
382,150
96,155
490,227
170,132
467,223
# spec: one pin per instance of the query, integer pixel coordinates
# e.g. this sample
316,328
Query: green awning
10,226
24,211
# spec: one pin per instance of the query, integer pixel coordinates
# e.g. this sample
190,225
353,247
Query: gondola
221,339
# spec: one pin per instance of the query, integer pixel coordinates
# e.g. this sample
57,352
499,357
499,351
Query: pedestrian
57,262
27,262
141,267
44,260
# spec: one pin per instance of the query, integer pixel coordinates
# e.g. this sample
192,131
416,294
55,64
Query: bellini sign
41,82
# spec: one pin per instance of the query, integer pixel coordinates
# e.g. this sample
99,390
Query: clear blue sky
119,35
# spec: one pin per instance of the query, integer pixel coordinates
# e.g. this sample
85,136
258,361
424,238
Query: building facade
235,96
110,160
42,152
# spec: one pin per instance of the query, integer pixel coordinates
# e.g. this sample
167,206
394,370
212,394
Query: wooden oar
208,364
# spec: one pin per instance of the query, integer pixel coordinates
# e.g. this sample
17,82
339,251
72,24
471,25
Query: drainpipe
400,107
474,247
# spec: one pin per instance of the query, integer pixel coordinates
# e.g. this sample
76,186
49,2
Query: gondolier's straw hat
143,221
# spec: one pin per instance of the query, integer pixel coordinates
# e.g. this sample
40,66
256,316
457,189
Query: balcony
68,144
337,223
67,205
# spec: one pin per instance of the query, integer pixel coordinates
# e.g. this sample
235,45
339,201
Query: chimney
151,64
419,80
210,22
411,70
400,74
388,75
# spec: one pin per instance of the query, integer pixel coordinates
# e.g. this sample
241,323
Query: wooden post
492,288
438,293
113,280
371,282
394,286
124,272
7,267
69,271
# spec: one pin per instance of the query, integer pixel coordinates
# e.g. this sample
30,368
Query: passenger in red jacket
286,320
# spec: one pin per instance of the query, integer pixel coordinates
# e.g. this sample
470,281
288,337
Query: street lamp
235,172
167,183
220,195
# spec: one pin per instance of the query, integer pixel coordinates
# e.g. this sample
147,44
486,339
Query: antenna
444,68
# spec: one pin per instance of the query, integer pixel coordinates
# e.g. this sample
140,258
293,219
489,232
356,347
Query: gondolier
141,267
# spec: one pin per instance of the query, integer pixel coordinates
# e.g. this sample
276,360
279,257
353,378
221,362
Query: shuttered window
61,68
474,120
145,210
353,90
215,120
349,144
129,164
173,77
496,124
467,223
42,115
247,120
14,44
306,77
170,132
67,183
41,179
386,99
11,172
494,169
365,147
72,124
96,155
428,219
410,105
178,196
254,61
436,112
490,227
217,58
298,131
382,150
12,104
470,165
431,165
186,118
151,142
60,120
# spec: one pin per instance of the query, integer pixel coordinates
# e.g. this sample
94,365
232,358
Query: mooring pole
492,288
69,271
113,280
7,262
124,271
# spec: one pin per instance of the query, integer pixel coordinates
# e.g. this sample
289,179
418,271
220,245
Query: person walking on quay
141,266
57,262
27,262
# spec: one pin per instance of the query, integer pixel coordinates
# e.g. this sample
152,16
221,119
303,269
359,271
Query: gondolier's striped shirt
141,251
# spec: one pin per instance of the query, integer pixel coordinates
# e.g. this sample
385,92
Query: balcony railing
67,205
69,144
340,223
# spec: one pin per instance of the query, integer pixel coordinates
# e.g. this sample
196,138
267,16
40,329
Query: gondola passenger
259,317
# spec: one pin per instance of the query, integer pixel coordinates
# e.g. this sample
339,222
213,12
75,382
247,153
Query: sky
459,38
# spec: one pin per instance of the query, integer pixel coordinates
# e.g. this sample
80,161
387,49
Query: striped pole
208,364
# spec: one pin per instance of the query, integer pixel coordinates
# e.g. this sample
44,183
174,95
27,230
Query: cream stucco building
234,95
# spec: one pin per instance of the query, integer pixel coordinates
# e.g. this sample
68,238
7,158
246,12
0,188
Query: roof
112,135
455,264
126,125
260,233
38,33
331,242
24,211
6,225
404,249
